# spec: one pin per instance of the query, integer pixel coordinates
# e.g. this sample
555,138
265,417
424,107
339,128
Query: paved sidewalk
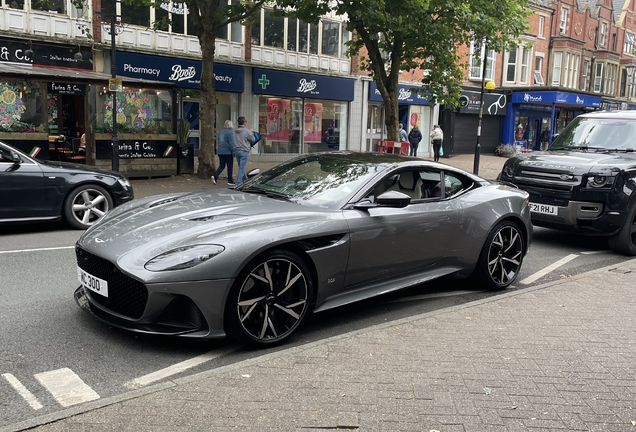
490,165
557,357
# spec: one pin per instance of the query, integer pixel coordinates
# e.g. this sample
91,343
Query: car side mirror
16,158
393,199
253,173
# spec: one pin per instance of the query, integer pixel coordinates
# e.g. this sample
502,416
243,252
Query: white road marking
66,387
177,368
37,250
548,269
23,391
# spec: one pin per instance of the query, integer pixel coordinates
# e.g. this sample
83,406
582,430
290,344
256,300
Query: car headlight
599,181
183,257
124,182
508,171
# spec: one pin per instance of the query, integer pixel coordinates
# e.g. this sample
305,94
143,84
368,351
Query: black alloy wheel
501,257
269,300
624,241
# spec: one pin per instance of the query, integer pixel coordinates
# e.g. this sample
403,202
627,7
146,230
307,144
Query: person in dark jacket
225,151
415,136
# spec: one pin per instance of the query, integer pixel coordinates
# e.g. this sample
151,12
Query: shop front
460,125
146,116
43,98
299,113
413,109
533,118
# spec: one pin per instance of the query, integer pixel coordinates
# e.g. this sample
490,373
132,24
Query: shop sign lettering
181,74
306,86
69,89
136,150
18,55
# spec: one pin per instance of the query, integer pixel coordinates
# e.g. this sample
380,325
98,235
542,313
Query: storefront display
300,113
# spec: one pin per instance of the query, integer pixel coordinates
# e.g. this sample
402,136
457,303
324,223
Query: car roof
624,114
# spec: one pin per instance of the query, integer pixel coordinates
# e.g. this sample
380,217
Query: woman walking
225,151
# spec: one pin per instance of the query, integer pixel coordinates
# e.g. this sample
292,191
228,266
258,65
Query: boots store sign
18,52
182,72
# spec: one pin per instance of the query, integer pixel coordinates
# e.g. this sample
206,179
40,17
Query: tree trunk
207,108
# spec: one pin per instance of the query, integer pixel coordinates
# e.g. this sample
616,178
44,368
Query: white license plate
544,209
90,282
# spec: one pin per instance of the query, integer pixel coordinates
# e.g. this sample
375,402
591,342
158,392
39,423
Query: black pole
113,72
481,111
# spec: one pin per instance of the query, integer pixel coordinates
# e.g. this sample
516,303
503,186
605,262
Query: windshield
597,134
319,180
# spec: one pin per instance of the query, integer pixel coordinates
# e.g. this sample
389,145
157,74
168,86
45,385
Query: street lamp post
114,30
629,68
490,86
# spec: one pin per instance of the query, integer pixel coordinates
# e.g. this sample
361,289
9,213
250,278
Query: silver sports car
316,232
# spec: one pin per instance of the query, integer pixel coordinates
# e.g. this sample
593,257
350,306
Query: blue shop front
149,114
413,109
533,117
299,113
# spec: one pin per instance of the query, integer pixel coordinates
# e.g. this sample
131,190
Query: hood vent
203,218
163,201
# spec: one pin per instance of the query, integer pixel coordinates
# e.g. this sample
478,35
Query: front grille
126,296
182,312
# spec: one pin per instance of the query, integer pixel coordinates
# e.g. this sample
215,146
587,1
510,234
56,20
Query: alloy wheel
505,255
88,206
272,300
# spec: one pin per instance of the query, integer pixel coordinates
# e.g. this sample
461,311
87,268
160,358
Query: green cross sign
264,82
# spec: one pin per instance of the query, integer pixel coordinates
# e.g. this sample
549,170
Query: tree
401,35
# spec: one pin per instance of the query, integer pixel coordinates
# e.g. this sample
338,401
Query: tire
85,205
624,241
269,300
501,256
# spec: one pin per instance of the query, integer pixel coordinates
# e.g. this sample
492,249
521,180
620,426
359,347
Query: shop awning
72,75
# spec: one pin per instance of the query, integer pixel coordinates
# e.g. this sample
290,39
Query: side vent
314,243
163,201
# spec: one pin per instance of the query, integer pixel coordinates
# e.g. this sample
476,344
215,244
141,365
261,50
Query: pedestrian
225,151
242,145
415,136
403,135
544,138
437,138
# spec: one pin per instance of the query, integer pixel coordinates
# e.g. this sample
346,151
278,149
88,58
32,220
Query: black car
32,190
585,181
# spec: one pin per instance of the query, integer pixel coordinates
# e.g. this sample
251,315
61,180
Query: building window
598,77
585,74
511,65
476,57
292,34
566,70
55,6
556,68
135,15
575,71
610,79
273,34
330,35
603,34
344,38
15,4
525,59
538,67
541,25
629,43
563,22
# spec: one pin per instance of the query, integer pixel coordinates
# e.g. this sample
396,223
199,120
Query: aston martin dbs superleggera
316,232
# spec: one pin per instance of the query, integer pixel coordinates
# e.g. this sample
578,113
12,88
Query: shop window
21,107
330,35
135,15
291,125
292,34
56,6
273,34
145,111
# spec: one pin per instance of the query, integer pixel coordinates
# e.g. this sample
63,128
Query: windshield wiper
269,194
583,147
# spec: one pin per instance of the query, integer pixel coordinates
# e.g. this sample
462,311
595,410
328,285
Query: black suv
585,181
